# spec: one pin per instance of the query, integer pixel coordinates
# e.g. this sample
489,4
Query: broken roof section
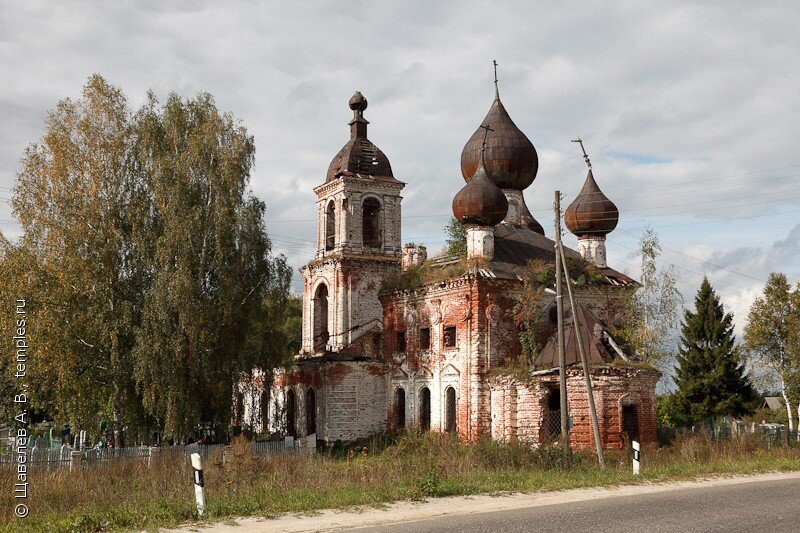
593,334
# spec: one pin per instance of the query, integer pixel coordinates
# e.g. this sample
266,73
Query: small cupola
590,217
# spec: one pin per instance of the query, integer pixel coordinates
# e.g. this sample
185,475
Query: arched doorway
321,317
425,409
371,223
330,226
400,407
450,410
311,411
291,413
630,423
552,418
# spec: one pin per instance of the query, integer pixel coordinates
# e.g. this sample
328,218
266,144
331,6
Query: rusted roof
591,213
511,160
359,157
515,248
480,201
591,331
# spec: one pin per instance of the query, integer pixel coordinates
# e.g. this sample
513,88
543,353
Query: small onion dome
480,201
359,156
511,160
591,213
529,222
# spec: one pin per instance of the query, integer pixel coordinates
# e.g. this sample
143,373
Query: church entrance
630,423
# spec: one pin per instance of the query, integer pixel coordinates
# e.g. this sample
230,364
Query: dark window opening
291,426
450,409
552,418
401,341
424,338
264,409
371,223
425,409
377,340
311,412
320,303
330,226
450,337
400,407
630,422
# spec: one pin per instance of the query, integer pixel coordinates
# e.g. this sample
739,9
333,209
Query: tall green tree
202,317
710,377
771,336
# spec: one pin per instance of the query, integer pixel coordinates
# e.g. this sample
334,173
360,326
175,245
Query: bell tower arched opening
330,226
321,334
371,223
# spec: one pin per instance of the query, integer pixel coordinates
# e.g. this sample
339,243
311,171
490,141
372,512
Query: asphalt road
759,506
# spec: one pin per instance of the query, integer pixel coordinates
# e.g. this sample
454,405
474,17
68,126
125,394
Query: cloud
700,97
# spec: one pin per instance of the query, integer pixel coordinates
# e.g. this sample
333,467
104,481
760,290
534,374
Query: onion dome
511,160
480,201
359,156
591,214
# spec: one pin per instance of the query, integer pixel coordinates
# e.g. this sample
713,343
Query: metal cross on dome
585,155
486,130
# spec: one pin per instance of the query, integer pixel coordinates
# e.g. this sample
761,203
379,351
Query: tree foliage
710,377
771,335
146,261
653,310
456,243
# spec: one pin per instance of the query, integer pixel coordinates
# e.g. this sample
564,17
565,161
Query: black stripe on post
636,455
198,477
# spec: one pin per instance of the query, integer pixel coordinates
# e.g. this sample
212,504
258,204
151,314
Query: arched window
371,223
330,226
291,412
311,411
450,410
321,317
400,407
425,409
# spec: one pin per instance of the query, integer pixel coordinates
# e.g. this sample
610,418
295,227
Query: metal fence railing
64,456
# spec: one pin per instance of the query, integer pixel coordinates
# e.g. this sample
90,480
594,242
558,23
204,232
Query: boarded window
552,418
311,412
424,338
330,226
371,223
291,413
425,409
401,341
400,407
450,410
449,337
320,302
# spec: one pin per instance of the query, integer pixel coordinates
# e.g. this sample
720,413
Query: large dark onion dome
511,160
591,214
480,201
359,155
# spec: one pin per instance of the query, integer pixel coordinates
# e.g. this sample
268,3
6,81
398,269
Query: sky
690,111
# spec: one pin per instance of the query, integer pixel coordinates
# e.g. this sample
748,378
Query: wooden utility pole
584,362
562,356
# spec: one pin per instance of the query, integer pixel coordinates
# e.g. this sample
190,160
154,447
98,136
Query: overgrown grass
130,495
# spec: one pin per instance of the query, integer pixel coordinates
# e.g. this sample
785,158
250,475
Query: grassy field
128,494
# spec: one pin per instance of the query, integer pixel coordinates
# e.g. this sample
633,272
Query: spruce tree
710,377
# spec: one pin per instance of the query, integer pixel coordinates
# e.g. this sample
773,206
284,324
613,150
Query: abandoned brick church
393,338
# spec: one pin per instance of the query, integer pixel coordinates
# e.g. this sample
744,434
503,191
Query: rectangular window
424,338
449,337
401,341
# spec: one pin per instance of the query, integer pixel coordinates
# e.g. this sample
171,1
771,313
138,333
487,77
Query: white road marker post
199,490
636,458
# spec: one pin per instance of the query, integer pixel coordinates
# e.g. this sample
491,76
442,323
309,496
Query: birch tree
771,336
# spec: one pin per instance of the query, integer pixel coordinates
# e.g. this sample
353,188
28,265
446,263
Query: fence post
153,451
636,458
199,490
75,460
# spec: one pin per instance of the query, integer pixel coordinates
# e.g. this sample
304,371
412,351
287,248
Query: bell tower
358,245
